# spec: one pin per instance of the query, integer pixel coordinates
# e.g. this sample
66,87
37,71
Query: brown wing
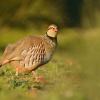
33,56
14,50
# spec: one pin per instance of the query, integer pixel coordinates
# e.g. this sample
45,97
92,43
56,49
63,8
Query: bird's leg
36,78
35,75
16,74
39,79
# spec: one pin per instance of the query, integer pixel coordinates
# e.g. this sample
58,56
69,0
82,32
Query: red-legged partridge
29,53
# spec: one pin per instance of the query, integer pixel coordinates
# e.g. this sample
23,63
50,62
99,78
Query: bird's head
52,31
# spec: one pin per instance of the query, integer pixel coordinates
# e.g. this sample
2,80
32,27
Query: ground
72,74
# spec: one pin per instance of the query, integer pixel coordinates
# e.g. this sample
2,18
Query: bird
31,52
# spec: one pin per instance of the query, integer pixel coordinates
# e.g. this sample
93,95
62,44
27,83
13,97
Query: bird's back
15,49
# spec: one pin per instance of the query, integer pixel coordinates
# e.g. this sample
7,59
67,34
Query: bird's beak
55,30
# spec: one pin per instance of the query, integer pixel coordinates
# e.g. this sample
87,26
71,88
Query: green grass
72,74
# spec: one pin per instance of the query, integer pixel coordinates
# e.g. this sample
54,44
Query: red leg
39,79
16,74
34,73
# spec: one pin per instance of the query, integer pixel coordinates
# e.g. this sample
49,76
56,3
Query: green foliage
91,13
32,13
26,14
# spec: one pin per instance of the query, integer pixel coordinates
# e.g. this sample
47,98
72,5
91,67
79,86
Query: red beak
55,30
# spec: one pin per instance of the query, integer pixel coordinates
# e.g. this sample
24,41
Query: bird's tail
3,62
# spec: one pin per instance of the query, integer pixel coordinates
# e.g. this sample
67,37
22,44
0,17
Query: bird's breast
49,53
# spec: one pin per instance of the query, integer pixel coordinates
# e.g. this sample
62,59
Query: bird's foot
39,79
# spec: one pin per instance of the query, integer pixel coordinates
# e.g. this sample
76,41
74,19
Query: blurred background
77,59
